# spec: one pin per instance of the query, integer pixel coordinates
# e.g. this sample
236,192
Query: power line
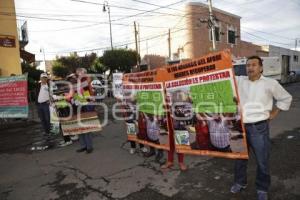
82,21
261,38
129,25
143,2
131,8
153,10
136,9
268,33
143,11
85,21
65,29
253,35
119,45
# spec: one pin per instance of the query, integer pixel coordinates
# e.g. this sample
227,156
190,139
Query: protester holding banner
153,130
133,148
178,125
42,101
202,133
142,128
84,92
141,134
256,96
63,106
129,113
170,161
219,133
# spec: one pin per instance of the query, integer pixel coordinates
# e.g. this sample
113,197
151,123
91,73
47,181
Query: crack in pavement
77,172
86,180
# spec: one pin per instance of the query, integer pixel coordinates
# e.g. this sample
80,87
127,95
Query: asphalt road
110,172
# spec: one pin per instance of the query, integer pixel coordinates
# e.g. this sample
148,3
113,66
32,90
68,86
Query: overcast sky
63,26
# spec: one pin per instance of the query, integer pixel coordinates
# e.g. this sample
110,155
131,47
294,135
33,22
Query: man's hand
274,113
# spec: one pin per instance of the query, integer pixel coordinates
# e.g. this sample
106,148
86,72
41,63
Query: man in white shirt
43,104
256,97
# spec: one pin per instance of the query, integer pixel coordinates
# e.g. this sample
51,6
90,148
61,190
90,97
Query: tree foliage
119,60
60,71
113,60
97,67
33,74
68,64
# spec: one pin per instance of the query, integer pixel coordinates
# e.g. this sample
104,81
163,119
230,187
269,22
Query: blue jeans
44,115
85,140
259,142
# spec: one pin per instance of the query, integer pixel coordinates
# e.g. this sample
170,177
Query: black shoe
149,154
159,156
81,150
89,150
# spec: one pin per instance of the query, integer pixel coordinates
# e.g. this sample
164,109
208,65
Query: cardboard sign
117,85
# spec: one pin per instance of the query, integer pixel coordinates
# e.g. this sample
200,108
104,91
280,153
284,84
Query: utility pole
169,44
139,38
296,44
106,5
42,50
147,47
212,22
136,45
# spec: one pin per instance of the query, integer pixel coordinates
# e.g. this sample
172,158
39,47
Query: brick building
197,40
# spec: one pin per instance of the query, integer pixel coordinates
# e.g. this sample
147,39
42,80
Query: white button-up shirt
43,94
256,97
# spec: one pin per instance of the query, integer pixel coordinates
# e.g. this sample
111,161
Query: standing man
43,104
256,96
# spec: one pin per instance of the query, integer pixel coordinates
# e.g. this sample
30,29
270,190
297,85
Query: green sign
213,98
150,102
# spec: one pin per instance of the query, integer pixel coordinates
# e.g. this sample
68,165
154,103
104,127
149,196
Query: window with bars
217,34
231,36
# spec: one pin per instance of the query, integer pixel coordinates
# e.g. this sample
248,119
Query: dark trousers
85,140
259,142
67,138
44,115
152,149
225,149
133,145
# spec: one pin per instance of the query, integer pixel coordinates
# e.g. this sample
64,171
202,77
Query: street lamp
106,6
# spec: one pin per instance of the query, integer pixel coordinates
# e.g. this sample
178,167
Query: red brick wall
198,33
249,49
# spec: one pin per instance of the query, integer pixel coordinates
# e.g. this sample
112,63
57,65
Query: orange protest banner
202,111
144,106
